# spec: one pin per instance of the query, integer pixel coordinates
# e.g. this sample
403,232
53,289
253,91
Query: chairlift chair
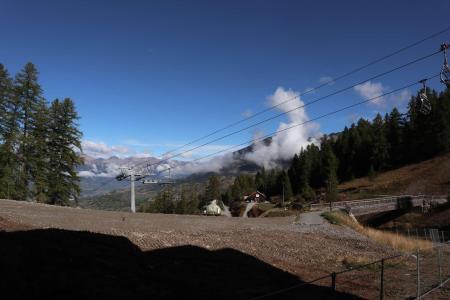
150,181
423,104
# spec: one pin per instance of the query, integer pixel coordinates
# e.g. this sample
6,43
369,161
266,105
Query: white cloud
247,113
102,150
402,98
144,154
120,149
288,142
369,90
95,148
326,79
214,164
309,90
86,174
196,153
283,146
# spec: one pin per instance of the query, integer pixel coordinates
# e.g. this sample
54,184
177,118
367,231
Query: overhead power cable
253,141
291,110
306,92
312,89
250,142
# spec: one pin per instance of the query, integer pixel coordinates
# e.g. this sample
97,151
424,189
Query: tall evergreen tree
260,180
380,147
29,97
40,153
213,188
395,129
63,141
9,133
286,186
330,165
293,174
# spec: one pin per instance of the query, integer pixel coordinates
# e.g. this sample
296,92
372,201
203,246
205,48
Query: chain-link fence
405,276
431,234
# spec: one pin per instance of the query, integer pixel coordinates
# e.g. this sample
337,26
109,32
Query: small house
213,209
255,197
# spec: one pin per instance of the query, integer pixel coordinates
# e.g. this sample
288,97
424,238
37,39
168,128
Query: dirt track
304,251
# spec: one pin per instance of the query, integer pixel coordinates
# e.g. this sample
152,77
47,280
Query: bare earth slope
427,177
302,252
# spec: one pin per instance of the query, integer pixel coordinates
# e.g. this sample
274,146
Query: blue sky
147,76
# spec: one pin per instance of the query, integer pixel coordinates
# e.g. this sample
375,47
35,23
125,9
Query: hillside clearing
431,177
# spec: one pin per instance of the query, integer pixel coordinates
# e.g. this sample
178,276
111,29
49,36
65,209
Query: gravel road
306,247
305,250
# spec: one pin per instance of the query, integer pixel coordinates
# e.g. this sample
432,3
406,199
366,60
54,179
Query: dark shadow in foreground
61,264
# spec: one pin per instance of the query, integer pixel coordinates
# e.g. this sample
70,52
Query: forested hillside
365,149
370,147
39,141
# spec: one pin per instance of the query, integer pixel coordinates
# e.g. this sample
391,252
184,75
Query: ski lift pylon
445,71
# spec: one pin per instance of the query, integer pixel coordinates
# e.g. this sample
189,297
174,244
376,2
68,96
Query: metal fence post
333,281
382,280
440,264
418,273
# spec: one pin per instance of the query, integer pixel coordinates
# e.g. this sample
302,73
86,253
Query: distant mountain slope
428,177
97,174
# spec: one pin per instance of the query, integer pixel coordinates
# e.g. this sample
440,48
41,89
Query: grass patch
278,212
364,263
331,217
265,206
393,240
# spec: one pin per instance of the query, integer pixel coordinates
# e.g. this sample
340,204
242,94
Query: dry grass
393,240
428,177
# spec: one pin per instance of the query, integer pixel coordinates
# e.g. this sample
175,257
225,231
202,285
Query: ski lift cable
291,110
306,92
297,125
312,89
309,91
314,119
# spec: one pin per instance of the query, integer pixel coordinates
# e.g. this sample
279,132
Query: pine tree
213,188
189,200
380,147
293,176
5,101
63,141
40,153
286,186
29,97
394,134
330,165
9,130
260,180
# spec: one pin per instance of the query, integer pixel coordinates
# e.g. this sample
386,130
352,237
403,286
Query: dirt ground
298,250
430,177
